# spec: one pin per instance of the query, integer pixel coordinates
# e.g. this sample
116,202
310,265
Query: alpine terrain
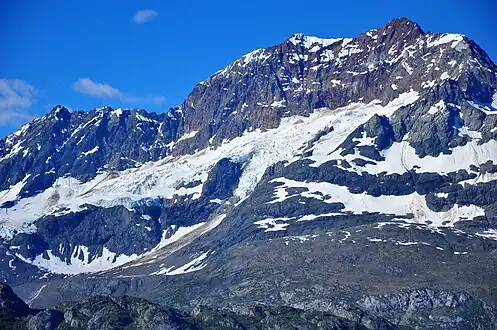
319,183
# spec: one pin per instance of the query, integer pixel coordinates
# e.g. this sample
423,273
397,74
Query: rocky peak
401,27
59,111
305,73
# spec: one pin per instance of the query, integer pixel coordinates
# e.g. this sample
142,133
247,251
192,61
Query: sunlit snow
414,203
161,179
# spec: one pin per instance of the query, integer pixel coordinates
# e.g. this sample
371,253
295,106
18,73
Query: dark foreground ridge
98,313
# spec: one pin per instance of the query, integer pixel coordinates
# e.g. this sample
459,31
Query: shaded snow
481,178
55,265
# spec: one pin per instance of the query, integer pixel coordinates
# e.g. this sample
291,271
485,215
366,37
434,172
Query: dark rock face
118,228
12,309
223,179
79,144
46,320
11,304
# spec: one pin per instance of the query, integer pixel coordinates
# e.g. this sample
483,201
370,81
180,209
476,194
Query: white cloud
157,99
101,90
144,16
105,90
16,97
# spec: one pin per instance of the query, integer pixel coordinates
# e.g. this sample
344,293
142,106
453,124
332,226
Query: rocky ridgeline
255,92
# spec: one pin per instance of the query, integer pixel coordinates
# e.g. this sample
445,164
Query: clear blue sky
85,54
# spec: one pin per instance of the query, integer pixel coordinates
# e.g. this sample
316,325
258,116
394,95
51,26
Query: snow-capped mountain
367,164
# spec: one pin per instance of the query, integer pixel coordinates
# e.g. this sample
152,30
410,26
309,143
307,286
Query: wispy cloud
101,90
157,99
104,90
144,16
16,99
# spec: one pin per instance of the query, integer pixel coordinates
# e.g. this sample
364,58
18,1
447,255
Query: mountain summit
353,176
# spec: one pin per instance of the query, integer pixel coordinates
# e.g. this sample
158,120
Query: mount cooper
339,183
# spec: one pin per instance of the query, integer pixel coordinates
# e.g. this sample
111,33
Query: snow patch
309,41
444,76
455,39
192,266
273,224
55,265
278,104
187,136
143,118
407,67
489,233
414,203
118,112
92,151
178,234
437,107
258,55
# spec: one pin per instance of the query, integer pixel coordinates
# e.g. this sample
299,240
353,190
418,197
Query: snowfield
256,149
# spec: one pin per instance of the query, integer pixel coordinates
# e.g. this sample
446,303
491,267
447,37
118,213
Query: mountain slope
327,174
